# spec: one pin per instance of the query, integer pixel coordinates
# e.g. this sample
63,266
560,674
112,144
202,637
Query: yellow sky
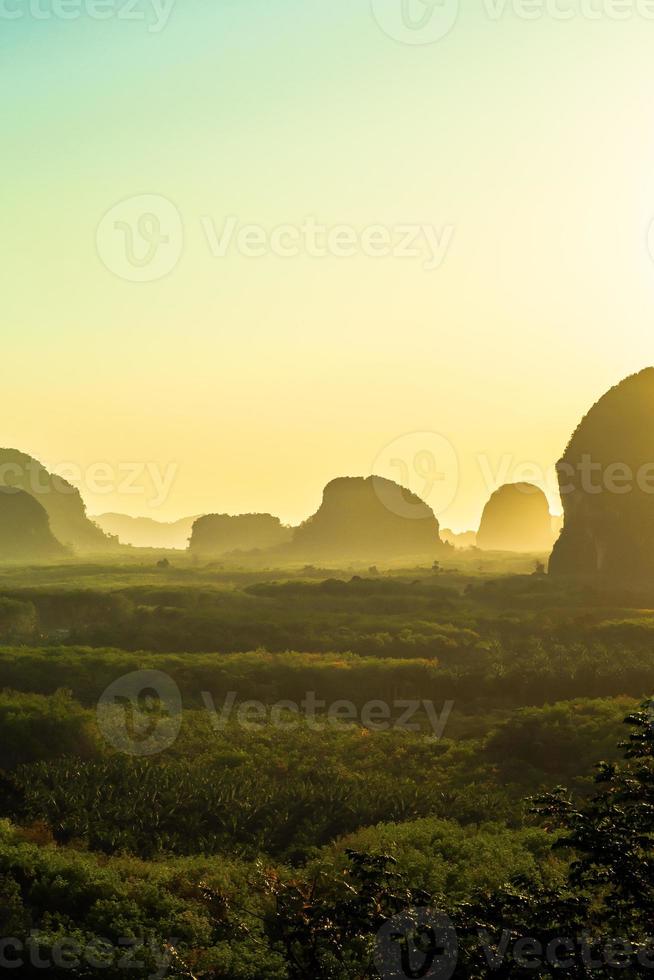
517,155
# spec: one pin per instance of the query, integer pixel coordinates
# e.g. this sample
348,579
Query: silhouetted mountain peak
61,501
516,518
606,478
369,517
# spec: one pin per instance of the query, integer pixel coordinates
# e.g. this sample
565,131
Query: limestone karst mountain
516,518
606,480
144,532
24,528
60,500
218,534
371,518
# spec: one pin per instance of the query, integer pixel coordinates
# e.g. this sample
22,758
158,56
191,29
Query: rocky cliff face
606,479
516,518
370,519
60,500
218,534
25,532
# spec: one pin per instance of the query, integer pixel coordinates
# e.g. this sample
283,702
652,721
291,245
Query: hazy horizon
261,378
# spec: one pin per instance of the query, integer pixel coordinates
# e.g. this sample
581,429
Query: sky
253,245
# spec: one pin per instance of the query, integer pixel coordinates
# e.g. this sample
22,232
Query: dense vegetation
265,841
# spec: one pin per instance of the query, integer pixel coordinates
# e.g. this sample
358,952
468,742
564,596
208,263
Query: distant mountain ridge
145,532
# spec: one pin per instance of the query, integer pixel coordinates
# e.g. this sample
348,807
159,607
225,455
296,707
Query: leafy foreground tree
331,933
216,918
368,923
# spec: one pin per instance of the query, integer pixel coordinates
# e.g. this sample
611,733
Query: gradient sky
259,379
